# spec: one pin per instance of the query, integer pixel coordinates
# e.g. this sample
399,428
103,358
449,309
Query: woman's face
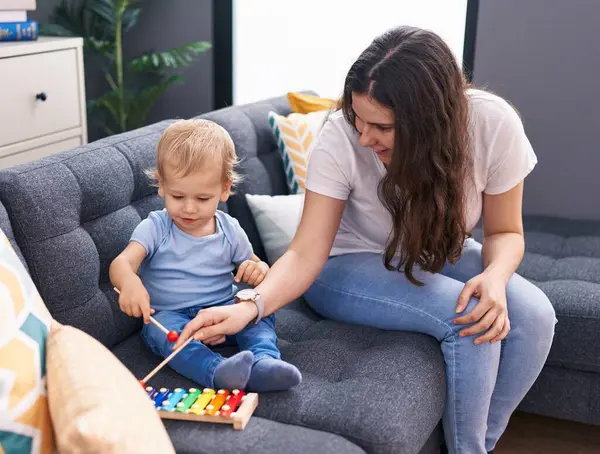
376,126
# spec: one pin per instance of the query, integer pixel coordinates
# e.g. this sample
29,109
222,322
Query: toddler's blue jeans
197,361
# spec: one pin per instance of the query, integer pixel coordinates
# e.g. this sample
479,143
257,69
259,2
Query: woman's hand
212,324
490,312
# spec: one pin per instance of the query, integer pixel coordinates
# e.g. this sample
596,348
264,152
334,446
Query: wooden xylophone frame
238,418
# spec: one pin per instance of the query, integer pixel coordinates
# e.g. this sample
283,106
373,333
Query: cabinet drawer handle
42,96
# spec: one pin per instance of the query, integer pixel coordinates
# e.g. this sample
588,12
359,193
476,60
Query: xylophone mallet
167,359
172,336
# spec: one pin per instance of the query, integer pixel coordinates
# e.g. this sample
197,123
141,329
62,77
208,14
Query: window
281,46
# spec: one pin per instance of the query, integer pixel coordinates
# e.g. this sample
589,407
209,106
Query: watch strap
258,302
260,307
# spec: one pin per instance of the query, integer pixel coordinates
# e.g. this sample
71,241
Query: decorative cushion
307,103
25,425
96,404
277,219
295,135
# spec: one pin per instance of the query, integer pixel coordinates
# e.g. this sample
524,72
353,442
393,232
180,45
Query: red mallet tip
172,336
143,384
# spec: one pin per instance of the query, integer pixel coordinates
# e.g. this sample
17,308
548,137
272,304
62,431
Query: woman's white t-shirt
341,168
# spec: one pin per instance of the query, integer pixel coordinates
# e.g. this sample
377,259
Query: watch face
246,294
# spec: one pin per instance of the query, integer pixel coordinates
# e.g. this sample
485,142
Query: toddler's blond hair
186,144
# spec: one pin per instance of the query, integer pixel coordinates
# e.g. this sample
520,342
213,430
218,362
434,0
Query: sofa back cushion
72,213
6,227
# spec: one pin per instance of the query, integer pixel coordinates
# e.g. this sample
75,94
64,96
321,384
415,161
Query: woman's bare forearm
288,279
298,268
502,254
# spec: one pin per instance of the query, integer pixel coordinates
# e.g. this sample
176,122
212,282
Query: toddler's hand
134,299
252,272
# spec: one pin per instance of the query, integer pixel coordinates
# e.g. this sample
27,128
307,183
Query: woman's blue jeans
197,361
485,382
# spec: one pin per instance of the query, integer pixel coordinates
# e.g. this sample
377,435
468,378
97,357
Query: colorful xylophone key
173,399
151,392
217,402
198,407
161,397
187,401
233,402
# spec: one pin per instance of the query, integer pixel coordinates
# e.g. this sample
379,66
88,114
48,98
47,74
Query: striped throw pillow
295,135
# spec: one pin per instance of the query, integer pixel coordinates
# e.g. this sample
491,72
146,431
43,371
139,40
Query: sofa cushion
563,258
277,218
296,136
260,436
382,390
261,162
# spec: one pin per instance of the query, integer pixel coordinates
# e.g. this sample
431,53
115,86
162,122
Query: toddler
181,259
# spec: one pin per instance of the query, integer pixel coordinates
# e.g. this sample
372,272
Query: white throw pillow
277,218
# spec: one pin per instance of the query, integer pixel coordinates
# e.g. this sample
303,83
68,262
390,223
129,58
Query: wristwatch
249,294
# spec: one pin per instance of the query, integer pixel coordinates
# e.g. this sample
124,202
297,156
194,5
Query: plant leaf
173,59
130,18
67,17
105,15
104,47
141,103
109,101
110,81
85,18
108,131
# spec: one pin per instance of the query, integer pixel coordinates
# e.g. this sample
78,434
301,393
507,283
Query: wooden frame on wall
470,38
222,13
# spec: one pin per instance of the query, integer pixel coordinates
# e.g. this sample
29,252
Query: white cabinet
42,98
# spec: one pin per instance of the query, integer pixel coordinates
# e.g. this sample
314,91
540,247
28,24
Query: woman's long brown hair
414,73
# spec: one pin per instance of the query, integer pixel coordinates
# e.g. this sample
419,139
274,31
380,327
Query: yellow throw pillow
25,425
305,103
295,136
96,403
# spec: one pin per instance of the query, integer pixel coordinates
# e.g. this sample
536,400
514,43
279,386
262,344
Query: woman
400,175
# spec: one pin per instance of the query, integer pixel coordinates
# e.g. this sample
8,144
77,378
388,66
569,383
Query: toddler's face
192,200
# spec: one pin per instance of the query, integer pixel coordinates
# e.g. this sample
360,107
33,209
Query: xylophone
227,407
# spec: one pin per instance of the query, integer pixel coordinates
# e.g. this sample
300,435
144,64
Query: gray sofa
364,390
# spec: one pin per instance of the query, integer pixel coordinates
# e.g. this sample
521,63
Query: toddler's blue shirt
181,270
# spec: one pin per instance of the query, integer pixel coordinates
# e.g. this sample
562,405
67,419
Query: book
17,5
13,16
19,31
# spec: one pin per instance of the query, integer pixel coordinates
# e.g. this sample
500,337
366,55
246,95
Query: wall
542,55
279,47
163,25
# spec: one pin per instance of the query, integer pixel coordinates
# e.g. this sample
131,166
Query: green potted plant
133,86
